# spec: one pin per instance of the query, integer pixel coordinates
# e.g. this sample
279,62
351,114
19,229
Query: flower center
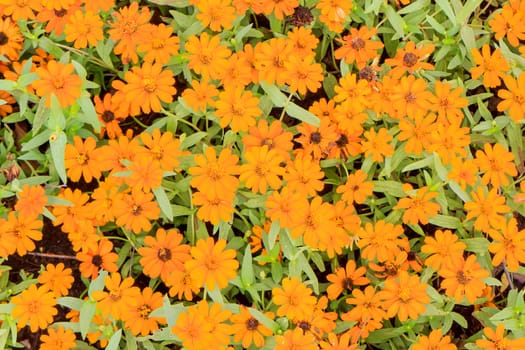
409,59
315,137
348,284
144,311
58,83
21,3
108,116
358,44
164,254
82,159
462,279
149,85
136,209
212,264
60,13
33,307
252,324
157,44
129,27
4,39
96,260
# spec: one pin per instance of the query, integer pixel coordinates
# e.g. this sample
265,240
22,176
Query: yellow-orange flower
57,278
463,278
31,200
207,56
248,330
303,74
513,97
136,210
435,340
237,108
508,245
57,78
10,39
410,59
82,159
214,208
444,246
358,47
84,29
491,66
34,306
356,188
215,14
418,206
262,169
345,279
117,300
161,45
497,340
497,164
295,300
58,339
487,209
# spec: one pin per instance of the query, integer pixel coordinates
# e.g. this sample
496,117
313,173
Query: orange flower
56,20
135,211
367,306
147,86
508,245
146,174
75,216
497,164
280,8
102,256
344,279
119,297
334,14
303,74
164,148
248,330
497,340
443,247
463,172
215,14
214,264
18,233
160,46
418,207
200,95
294,299
183,283
513,97
377,144
416,131
57,279
380,241
214,208
130,28
31,200
10,39
57,78
448,103
449,141
487,208
404,297
237,108
358,47
463,278
412,98
163,253
83,29
273,135
207,56
304,175
491,67
215,175
286,206
20,9
270,56
82,159
193,330
34,306
137,316
303,41
295,339
434,340
317,222
110,115
353,91
343,343
508,23
262,169
103,198
58,339
410,59
356,188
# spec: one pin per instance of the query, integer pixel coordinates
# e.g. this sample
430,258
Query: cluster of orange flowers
343,190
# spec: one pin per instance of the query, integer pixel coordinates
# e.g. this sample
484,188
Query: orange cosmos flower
302,74
513,97
358,47
491,66
58,279
404,297
463,278
367,306
57,78
207,56
214,264
214,208
119,297
215,175
508,245
147,86
160,46
344,279
136,210
83,29
497,164
380,241
410,59
82,159
58,339
447,102
497,340
508,23
248,330
294,299
444,246
10,39
138,314
34,306
377,144
418,207
262,169
31,200
215,14
129,29
163,253
286,206
304,175
435,340
92,259
356,188
487,208
200,95
237,108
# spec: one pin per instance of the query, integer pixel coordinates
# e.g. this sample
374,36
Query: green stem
184,121
284,107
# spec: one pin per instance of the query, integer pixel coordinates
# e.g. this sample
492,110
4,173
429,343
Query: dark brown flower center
304,325
315,137
164,254
302,16
348,284
368,74
462,279
342,141
409,59
60,13
108,116
358,44
252,324
4,39
97,260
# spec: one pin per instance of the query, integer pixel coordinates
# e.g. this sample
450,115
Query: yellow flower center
212,263
82,159
58,83
144,311
33,307
149,85
404,294
462,278
129,27
157,44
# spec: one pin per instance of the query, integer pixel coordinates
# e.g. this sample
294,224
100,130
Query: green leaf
393,188
26,79
444,5
476,245
114,341
173,3
247,274
307,269
7,85
56,120
98,283
87,312
277,97
467,10
302,114
164,202
36,141
445,221
70,302
89,112
57,144
40,115
459,319
423,163
265,320
396,21
468,37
